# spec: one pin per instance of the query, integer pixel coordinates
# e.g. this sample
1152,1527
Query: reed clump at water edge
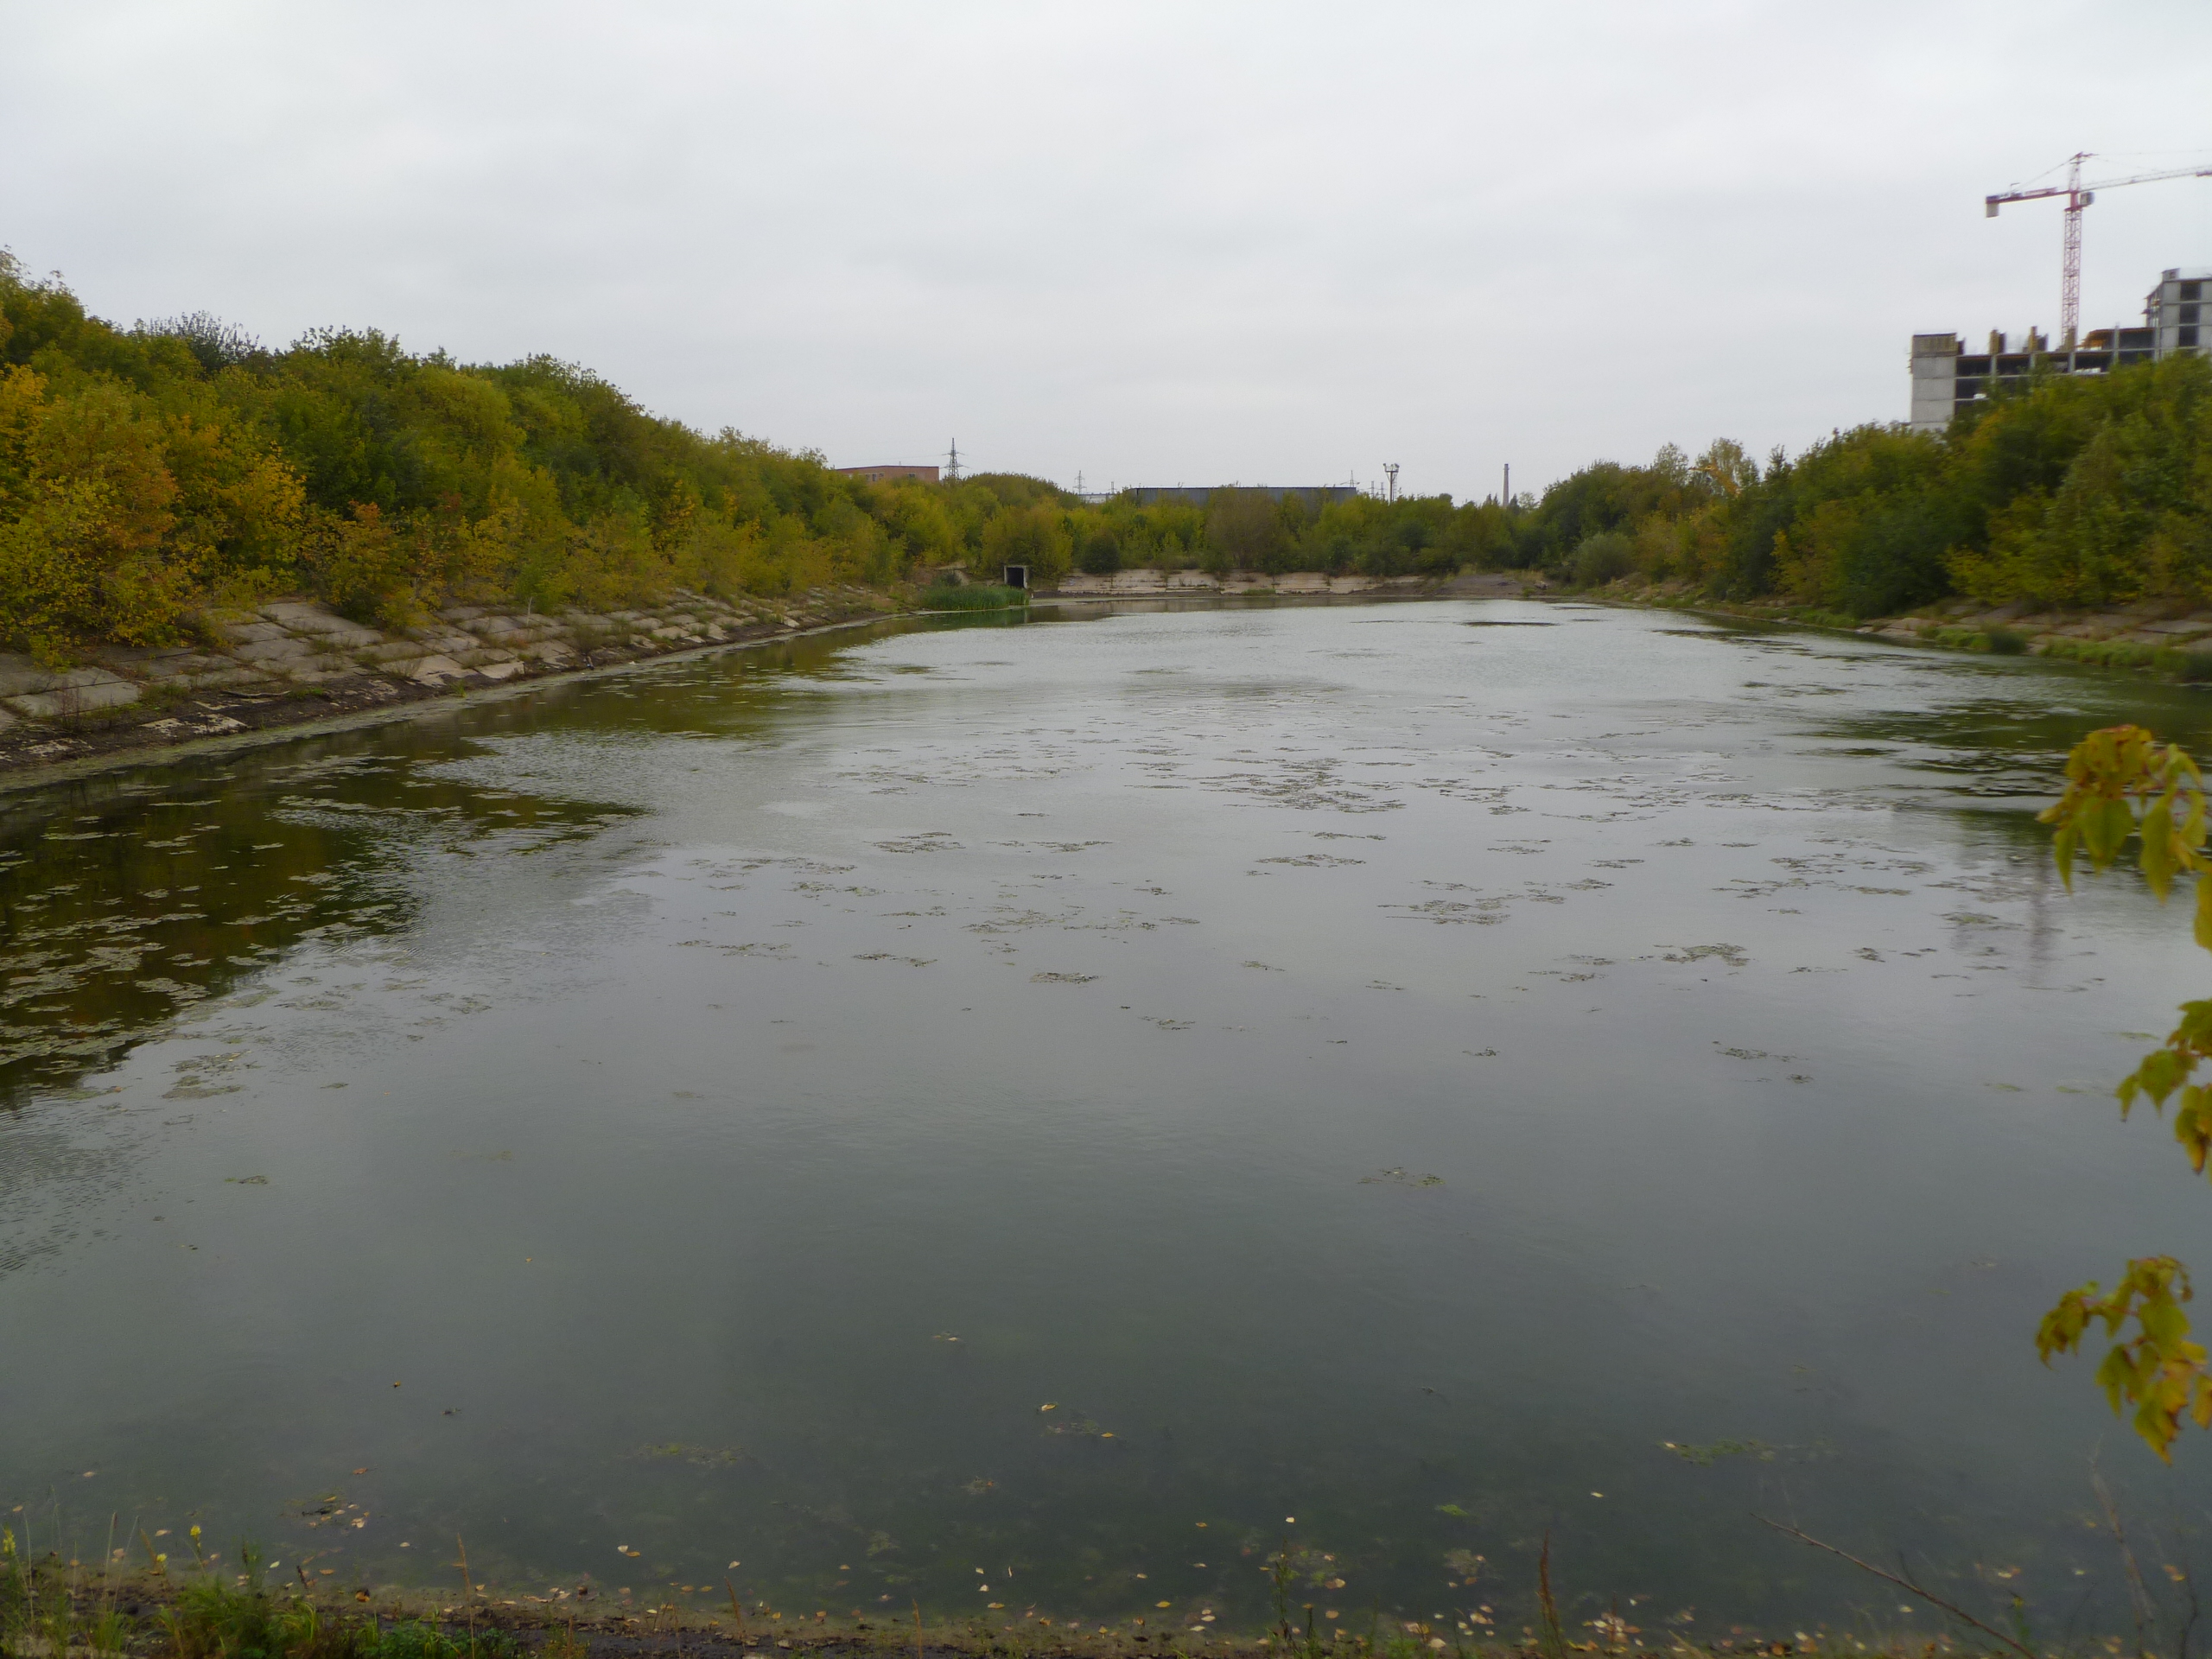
971,596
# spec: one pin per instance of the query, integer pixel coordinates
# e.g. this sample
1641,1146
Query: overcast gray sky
1196,242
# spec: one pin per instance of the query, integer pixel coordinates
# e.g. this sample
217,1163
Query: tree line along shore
157,478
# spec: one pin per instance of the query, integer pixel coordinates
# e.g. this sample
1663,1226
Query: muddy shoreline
149,1604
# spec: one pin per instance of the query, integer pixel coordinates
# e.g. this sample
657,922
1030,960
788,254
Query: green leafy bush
1605,555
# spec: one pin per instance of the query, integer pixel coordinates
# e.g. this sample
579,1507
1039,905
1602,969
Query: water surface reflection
1059,1099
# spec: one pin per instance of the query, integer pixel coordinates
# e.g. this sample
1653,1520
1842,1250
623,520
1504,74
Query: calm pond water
1005,1116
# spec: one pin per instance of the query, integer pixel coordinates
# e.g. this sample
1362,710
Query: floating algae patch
703,1457
1734,955
1713,1451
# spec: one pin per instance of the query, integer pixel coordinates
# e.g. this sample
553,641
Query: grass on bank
972,596
2186,667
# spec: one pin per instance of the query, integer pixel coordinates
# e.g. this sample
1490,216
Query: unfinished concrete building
1946,378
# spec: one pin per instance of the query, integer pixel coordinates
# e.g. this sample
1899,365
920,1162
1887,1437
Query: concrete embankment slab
294,661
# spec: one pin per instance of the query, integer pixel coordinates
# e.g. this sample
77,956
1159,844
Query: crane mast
2070,257
2079,196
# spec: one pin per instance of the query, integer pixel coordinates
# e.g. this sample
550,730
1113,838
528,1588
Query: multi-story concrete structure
1197,496
2172,311
884,474
1946,376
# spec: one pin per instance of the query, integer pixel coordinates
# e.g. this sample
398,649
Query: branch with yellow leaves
2160,1370
2121,783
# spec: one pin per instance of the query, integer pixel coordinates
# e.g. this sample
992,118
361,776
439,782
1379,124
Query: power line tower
1391,469
952,464
2078,196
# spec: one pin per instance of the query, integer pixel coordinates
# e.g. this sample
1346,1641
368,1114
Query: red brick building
884,474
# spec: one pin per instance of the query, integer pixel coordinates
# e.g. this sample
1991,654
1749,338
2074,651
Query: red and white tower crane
2078,196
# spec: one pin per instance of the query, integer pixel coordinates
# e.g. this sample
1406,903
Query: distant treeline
148,473
2079,491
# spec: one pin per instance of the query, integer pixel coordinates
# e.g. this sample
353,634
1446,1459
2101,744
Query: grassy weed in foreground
242,1619
50,1608
56,1609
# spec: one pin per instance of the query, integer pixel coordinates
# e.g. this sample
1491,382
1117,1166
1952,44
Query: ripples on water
1008,1116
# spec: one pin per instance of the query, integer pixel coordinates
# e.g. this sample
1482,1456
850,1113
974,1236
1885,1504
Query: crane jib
2078,196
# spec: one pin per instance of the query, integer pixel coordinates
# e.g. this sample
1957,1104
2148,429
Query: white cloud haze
1156,243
